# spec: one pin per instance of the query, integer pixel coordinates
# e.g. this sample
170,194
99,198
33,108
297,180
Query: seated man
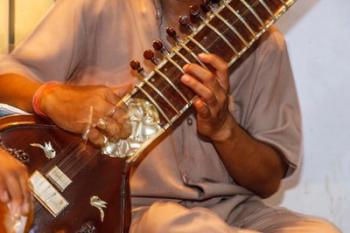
209,174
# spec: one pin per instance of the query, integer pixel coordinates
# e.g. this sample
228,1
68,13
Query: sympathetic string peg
149,55
195,13
207,2
135,65
185,22
205,6
172,33
159,46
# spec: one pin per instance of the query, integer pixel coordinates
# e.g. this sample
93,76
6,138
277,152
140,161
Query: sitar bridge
47,194
58,178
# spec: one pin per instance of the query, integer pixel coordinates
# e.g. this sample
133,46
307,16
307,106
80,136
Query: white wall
3,26
317,33
27,16
28,13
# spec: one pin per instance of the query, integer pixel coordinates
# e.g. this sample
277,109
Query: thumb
122,89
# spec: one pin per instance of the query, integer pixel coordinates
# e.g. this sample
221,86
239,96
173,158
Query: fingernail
201,55
4,196
185,66
184,78
14,209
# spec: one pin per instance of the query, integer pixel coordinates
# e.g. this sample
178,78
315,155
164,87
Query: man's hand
91,110
212,89
14,189
252,164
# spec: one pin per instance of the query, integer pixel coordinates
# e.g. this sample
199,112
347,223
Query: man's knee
323,226
158,217
174,218
314,226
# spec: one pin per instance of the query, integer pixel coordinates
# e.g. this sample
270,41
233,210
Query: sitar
82,189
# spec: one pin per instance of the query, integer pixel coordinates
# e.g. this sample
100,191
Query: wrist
40,93
227,131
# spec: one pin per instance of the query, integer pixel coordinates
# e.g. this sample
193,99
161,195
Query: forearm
17,90
252,164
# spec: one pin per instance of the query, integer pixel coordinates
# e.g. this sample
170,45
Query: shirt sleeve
273,112
54,49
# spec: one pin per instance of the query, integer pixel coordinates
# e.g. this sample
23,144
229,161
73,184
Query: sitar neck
227,30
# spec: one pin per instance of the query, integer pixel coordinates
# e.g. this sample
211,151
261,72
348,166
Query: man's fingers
202,109
96,137
26,192
199,89
120,114
125,130
205,76
122,89
220,65
109,127
112,98
199,72
16,194
4,196
215,61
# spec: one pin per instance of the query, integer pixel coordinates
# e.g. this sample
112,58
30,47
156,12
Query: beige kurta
92,42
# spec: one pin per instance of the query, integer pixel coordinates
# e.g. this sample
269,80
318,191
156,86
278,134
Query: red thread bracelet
36,101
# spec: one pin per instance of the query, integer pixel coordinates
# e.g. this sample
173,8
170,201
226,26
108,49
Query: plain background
318,34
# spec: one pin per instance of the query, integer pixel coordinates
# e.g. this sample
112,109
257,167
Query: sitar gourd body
88,174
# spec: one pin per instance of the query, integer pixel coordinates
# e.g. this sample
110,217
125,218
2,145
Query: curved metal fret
183,45
250,8
198,44
171,84
221,36
240,18
175,64
284,4
232,28
161,95
150,98
182,56
267,8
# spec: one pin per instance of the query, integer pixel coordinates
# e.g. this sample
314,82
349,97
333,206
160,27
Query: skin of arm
23,88
13,184
252,164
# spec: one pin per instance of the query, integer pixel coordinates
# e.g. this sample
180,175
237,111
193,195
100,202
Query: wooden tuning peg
195,13
172,33
159,46
135,65
185,22
149,55
205,5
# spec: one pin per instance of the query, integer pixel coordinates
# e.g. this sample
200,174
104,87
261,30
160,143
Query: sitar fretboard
228,30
